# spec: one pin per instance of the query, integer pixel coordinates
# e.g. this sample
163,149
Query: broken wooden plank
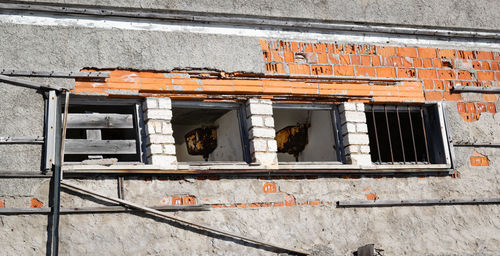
100,121
55,74
416,202
89,147
31,84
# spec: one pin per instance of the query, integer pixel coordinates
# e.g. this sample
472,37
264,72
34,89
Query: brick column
261,132
355,133
159,134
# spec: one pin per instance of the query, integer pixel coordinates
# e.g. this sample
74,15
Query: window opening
103,131
209,132
307,133
405,134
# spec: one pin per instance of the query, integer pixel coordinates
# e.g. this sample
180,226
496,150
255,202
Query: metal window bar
401,135
376,135
388,133
412,135
425,135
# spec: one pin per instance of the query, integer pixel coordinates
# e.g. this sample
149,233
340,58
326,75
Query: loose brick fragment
491,107
269,187
2,203
371,196
35,203
479,161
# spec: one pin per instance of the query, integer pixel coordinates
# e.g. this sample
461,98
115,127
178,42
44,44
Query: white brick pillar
159,134
355,133
261,132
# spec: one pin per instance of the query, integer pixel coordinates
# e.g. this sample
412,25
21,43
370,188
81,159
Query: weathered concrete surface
23,235
448,13
71,49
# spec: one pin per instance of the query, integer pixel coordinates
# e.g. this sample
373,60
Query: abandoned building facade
249,127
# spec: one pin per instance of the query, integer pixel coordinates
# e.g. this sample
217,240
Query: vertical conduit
425,134
388,133
412,135
376,135
401,135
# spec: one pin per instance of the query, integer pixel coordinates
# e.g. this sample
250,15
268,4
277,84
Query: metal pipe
425,135
466,144
121,195
376,136
478,89
401,135
182,221
30,84
103,209
388,133
412,135
253,21
416,202
55,74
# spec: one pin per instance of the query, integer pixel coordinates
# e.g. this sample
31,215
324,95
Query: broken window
103,131
209,132
307,133
405,134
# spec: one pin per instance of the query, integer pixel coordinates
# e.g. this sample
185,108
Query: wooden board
100,121
81,146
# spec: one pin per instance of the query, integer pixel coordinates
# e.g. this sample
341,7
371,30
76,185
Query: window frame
241,113
447,146
336,125
138,122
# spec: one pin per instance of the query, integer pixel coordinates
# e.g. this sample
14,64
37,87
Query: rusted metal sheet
292,139
201,141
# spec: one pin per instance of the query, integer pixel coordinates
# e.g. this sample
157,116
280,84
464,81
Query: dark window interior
404,139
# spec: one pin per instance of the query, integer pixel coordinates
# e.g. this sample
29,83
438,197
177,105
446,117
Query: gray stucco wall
447,13
448,230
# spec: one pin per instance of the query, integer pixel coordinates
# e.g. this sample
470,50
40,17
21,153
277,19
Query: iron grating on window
405,134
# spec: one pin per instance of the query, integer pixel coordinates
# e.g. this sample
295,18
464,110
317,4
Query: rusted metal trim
417,202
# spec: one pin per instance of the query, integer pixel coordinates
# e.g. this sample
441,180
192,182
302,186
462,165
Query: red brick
464,75
490,106
254,205
277,57
386,72
299,69
396,62
322,70
417,63
486,75
485,65
447,53
375,61
427,73
481,107
468,55
426,52
365,60
334,59
189,200
371,196
387,51
290,200
433,96
355,59
407,51
305,47
275,68
479,161
344,59
365,71
2,203
289,57
177,200
315,202
461,107
476,65
449,96
267,56
263,45
436,63
295,46
446,74
427,63
407,62
481,55
319,47
242,205
495,65
438,85
428,84
322,58
407,72
269,187
470,107
489,97
35,203
344,71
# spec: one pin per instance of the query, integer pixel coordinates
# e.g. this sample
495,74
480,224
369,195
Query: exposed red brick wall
35,203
